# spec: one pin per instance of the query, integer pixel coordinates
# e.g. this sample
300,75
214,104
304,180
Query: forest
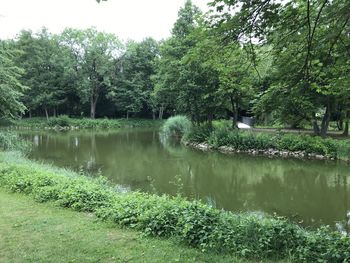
283,63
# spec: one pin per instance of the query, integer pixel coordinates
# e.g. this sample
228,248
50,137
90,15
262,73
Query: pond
309,192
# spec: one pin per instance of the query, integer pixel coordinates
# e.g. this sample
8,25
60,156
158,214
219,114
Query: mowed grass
32,232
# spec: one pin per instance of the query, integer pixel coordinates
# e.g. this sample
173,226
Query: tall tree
11,89
95,53
133,86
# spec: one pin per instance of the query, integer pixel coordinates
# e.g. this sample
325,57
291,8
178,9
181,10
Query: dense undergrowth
246,140
63,121
191,222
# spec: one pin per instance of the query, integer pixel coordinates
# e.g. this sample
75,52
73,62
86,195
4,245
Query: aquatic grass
247,235
63,121
176,126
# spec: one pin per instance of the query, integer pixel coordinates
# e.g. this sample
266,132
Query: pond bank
32,232
205,147
63,123
279,144
247,235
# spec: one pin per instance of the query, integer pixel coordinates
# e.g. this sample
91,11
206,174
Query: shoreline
205,147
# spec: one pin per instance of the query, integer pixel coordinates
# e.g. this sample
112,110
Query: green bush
10,141
176,126
61,121
194,223
198,133
247,140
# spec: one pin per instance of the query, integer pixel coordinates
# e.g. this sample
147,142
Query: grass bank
64,122
32,232
226,139
250,236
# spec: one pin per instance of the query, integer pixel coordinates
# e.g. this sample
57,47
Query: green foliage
198,134
246,140
11,88
176,126
248,235
61,121
85,123
10,141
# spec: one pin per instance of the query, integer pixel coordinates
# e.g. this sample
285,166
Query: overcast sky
128,19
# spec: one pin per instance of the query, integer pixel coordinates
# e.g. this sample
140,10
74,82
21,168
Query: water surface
309,192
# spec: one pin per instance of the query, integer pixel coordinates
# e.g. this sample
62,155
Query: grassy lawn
32,232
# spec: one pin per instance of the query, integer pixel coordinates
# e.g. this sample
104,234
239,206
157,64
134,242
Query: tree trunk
210,120
346,128
153,115
93,108
30,114
161,110
315,126
127,115
54,112
234,112
340,124
46,113
325,121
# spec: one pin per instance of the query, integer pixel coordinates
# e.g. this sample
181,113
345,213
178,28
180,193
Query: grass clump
193,223
176,126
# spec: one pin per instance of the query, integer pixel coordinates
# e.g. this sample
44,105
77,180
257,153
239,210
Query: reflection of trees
309,190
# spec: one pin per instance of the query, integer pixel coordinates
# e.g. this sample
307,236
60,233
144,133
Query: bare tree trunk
93,108
234,112
161,110
54,112
210,120
325,121
46,113
346,128
30,114
127,115
153,115
315,126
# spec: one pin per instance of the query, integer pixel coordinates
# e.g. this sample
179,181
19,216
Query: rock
319,157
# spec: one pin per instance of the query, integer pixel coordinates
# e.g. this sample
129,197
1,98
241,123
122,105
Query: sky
128,19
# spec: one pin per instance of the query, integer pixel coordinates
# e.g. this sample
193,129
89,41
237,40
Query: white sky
128,19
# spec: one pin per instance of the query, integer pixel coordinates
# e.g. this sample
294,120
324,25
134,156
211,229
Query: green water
309,192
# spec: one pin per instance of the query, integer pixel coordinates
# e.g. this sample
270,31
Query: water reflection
309,192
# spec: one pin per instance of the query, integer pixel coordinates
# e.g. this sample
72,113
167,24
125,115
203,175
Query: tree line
282,62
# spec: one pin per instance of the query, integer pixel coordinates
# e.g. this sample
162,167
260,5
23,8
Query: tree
171,83
48,71
133,87
95,53
303,83
11,89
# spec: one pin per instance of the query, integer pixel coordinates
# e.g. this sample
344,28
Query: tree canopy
281,62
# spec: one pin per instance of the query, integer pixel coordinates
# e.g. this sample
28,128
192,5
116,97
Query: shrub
10,141
176,126
198,133
61,121
196,224
246,140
